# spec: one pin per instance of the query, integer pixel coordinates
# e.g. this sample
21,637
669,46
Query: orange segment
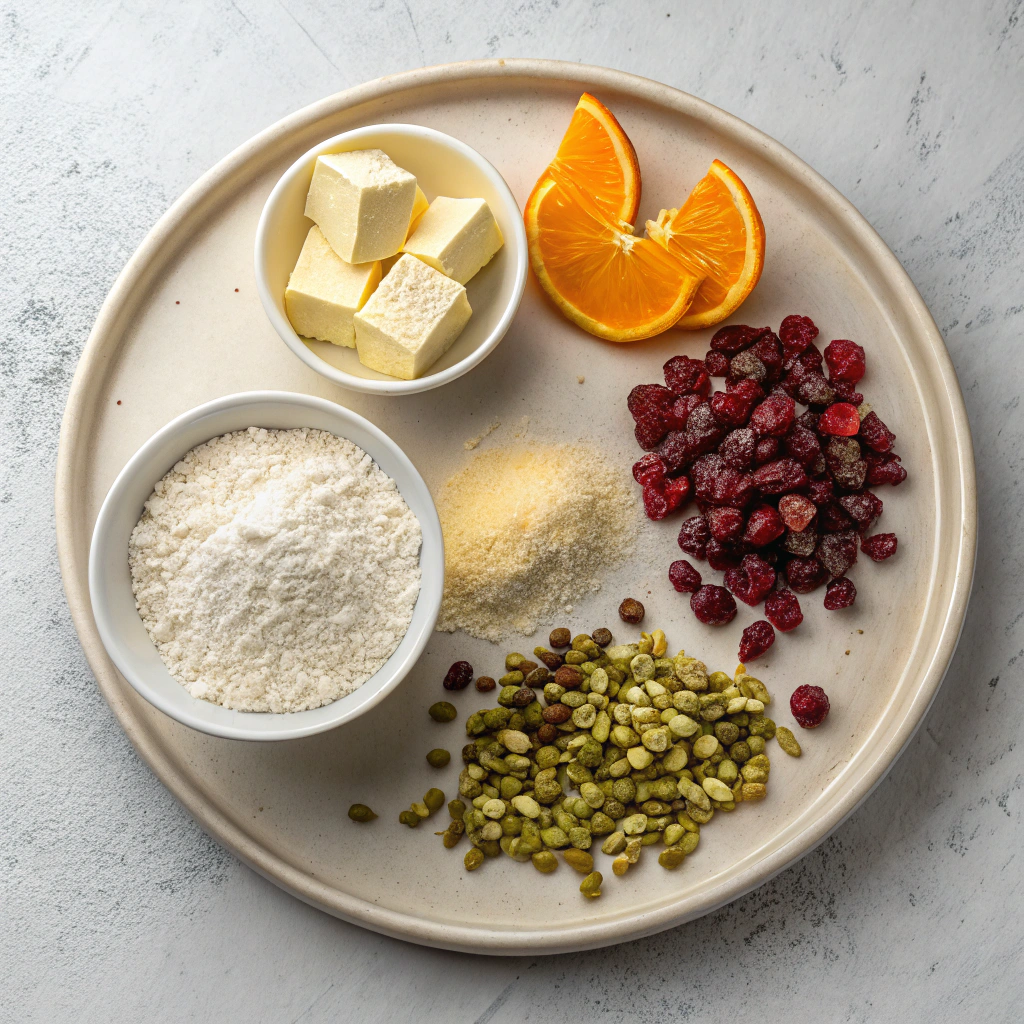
719,234
596,154
608,281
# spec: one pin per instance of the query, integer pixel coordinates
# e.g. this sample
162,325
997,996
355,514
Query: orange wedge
601,276
719,235
596,154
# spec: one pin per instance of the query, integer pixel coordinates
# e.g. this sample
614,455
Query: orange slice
596,154
605,279
718,234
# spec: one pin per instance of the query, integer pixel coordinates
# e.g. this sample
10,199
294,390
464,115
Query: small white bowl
444,167
110,587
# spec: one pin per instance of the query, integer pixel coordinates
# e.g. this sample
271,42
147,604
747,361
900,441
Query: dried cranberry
875,434
813,389
676,451
782,609
735,338
820,491
694,535
801,542
684,577
840,593
720,557
841,419
665,496
768,349
767,450
880,547
845,360
780,477
764,525
717,483
809,705
797,332
650,428
752,580
774,416
802,444
833,518
713,605
837,552
716,363
845,391
756,640
647,398
797,512
684,375
809,419
863,508
738,448
733,407
649,469
724,523
811,359
843,458
746,366
678,413
459,676
805,574
884,469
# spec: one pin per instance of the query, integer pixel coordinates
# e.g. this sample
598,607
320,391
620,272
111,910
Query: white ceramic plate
110,587
174,333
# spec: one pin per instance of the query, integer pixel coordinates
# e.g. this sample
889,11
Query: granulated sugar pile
528,531
275,570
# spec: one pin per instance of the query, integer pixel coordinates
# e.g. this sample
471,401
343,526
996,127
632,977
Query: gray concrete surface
114,905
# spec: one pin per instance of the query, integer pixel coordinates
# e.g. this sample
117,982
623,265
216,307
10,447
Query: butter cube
456,237
362,202
324,292
411,320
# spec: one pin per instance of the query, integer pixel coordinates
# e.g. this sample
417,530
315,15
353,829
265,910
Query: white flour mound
275,570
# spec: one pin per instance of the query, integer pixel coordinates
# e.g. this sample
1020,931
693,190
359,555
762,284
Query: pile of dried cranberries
782,494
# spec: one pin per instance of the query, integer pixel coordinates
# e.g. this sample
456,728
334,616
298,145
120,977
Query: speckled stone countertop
116,906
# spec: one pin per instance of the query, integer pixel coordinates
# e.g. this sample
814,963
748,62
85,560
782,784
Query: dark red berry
805,574
774,416
845,360
459,676
809,705
678,413
756,640
820,491
665,496
649,469
841,419
752,580
780,477
715,482
782,609
694,535
716,363
684,375
840,593
837,552
764,525
768,349
684,577
733,407
720,557
650,428
797,512
880,547
735,338
766,450
713,605
883,469
797,332
832,518
845,391
863,508
646,398
802,444
738,448
724,523
809,419
875,434
813,389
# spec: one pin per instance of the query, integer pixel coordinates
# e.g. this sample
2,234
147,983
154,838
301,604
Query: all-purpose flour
275,570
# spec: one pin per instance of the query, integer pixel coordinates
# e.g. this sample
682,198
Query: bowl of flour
267,566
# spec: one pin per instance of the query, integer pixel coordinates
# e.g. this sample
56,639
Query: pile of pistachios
627,747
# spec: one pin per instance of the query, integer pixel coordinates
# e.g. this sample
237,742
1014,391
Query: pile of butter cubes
382,270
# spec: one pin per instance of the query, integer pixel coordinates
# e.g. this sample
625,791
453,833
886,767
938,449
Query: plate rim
165,237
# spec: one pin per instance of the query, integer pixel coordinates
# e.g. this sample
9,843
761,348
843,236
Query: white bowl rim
394,386
291,725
